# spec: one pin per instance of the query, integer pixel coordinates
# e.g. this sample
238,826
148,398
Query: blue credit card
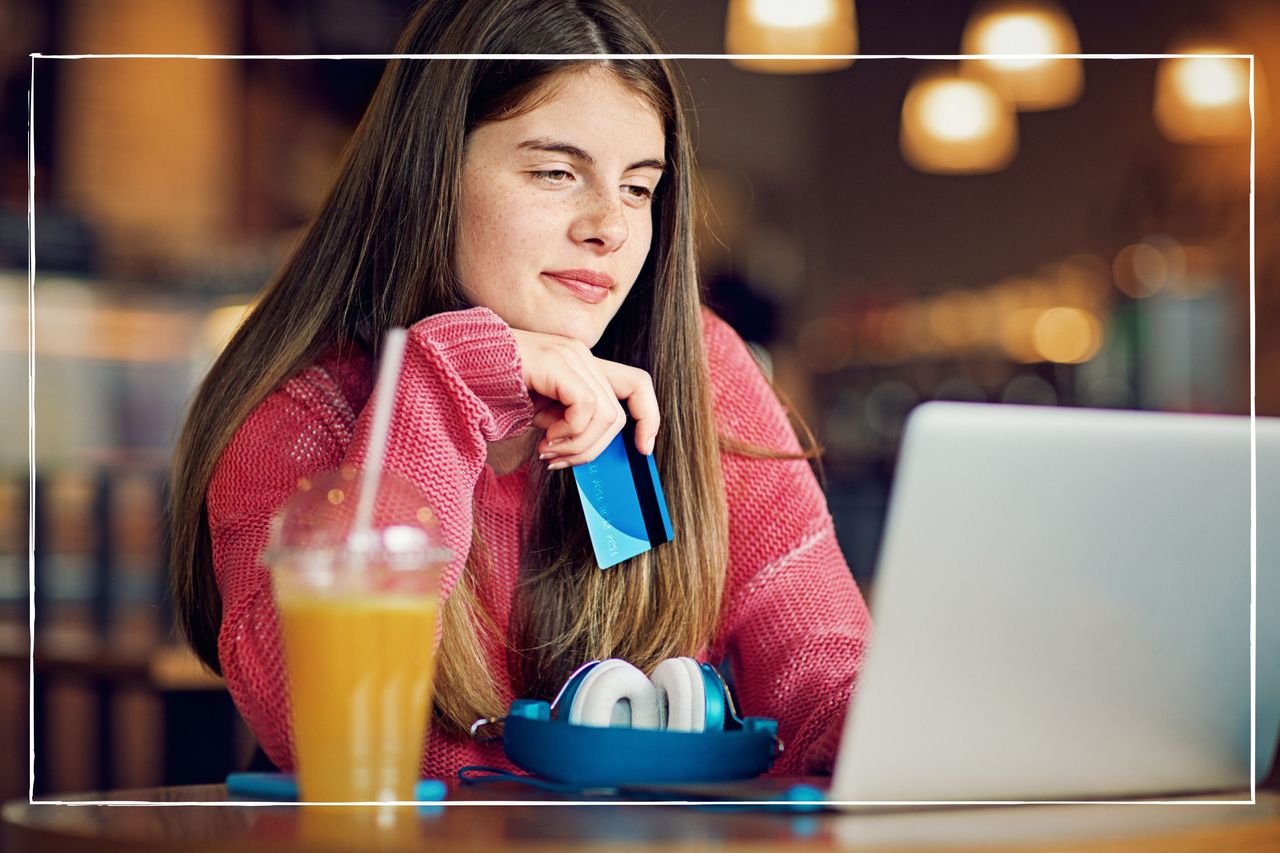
622,500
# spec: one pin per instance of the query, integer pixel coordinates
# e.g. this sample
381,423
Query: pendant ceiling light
1205,99
957,125
1037,27
790,27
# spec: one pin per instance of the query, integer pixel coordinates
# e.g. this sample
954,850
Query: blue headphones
611,725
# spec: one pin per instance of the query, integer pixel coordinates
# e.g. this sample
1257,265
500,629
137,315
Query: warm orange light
1205,99
958,319
1031,28
1146,268
221,324
1066,335
792,14
1083,281
71,321
953,125
1016,334
791,27
1210,82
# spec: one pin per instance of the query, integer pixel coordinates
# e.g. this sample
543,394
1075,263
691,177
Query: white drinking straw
383,400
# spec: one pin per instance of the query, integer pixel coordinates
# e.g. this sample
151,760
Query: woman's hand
576,398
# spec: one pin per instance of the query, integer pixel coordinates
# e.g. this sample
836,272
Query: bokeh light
1029,389
1016,334
1211,82
1083,281
791,27
1026,27
955,110
958,319
1137,271
1144,269
1204,99
1066,335
792,13
954,125
221,324
1014,32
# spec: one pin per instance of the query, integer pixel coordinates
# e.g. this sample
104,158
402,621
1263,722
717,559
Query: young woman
531,222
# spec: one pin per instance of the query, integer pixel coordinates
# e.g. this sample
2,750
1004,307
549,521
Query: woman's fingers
635,386
586,407
609,421
562,377
577,398
586,447
547,416
574,448
565,368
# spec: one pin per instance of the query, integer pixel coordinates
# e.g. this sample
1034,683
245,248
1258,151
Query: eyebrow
544,144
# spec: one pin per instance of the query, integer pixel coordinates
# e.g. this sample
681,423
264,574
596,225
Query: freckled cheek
520,227
505,243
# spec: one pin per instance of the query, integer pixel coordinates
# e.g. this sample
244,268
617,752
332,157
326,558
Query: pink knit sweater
793,624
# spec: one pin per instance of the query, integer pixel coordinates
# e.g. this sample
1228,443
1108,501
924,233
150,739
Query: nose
601,223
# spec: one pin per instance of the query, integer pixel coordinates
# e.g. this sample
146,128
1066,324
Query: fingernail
545,456
556,466
653,441
553,442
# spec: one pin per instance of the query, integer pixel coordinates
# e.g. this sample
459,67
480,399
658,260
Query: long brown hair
378,254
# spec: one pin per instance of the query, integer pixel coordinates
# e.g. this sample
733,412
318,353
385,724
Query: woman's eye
552,176
638,191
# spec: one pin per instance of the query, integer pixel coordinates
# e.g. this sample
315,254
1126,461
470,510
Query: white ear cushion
681,694
614,692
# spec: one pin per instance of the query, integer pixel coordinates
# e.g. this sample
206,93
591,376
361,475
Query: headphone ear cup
681,692
615,693
719,704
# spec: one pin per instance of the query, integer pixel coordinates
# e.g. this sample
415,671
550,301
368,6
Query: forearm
460,387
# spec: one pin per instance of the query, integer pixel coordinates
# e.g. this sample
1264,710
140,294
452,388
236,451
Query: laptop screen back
1062,609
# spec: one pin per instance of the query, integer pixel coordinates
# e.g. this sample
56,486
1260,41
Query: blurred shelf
81,654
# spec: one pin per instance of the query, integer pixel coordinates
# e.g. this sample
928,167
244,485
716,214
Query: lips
591,277
587,285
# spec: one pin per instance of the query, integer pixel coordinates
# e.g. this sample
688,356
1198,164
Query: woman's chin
589,336
588,330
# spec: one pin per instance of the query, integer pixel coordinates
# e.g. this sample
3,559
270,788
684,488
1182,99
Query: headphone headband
591,756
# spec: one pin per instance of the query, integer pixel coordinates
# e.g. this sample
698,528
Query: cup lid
321,518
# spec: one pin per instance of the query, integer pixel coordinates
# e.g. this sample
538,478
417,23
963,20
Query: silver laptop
1062,609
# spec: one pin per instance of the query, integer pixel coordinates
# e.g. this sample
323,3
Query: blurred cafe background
884,232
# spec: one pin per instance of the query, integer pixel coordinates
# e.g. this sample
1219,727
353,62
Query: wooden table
477,824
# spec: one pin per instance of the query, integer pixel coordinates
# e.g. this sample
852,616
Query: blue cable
471,775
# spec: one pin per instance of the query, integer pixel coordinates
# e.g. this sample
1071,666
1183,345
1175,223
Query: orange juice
360,670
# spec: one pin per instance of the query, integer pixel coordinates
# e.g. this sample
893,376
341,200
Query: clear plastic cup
358,611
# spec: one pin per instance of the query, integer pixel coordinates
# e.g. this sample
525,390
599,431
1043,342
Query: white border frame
1253,459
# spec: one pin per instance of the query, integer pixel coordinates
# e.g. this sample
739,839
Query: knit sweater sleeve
460,387
793,623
